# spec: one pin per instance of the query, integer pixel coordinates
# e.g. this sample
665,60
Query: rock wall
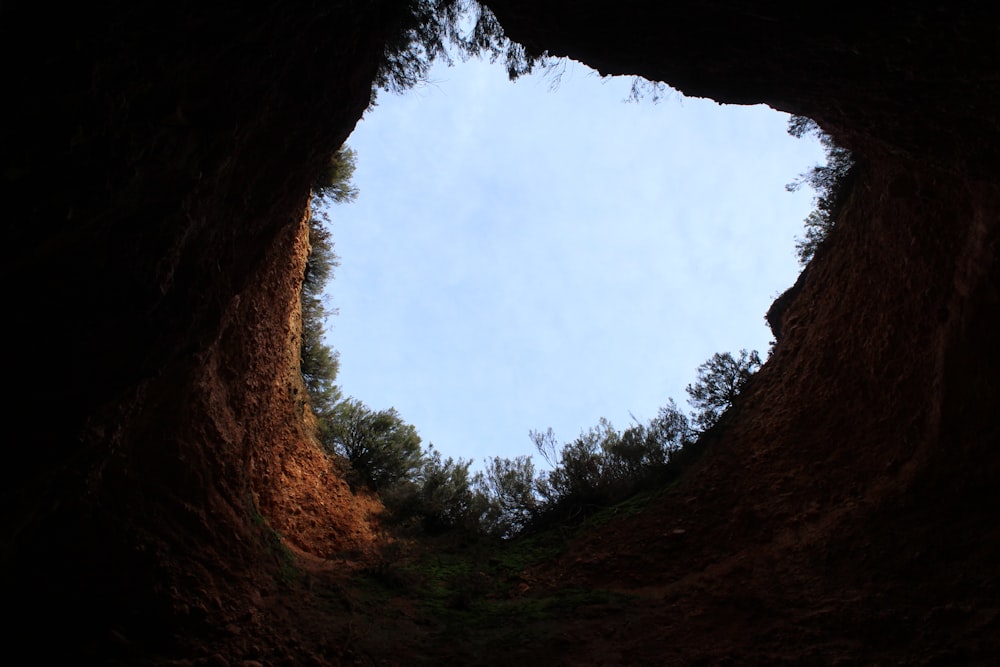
157,167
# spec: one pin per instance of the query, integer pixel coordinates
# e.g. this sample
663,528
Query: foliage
584,468
380,446
509,487
547,445
418,488
334,182
643,88
430,30
442,496
318,362
720,381
666,433
604,465
830,181
320,264
817,228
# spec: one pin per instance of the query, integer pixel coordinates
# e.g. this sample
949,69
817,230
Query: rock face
918,82
157,164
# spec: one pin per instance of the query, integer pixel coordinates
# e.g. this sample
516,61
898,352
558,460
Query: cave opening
544,253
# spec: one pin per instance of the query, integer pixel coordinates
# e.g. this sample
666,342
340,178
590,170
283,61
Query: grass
471,591
629,507
287,572
467,599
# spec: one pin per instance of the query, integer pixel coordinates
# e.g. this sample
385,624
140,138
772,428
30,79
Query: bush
509,488
830,181
720,381
381,448
447,497
430,30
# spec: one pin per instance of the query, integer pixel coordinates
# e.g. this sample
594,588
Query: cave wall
157,168
910,81
157,162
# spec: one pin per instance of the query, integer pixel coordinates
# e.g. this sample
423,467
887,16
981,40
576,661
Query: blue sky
522,257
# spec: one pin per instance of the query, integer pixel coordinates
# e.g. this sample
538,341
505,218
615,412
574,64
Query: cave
158,164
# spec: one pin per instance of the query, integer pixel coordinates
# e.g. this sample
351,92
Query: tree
598,464
630,453
817,228
547,445
380,446
448,497
581,468
334,182
510,489
830,182
670,429
318,362
720,381
431,30
639,451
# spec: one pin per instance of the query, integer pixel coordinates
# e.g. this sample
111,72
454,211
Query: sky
541,253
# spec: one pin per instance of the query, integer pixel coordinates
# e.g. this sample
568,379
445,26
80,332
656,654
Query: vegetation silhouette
830,181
